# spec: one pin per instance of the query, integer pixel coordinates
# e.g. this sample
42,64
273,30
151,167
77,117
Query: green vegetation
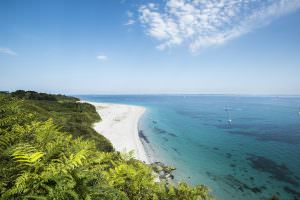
41,160
71,116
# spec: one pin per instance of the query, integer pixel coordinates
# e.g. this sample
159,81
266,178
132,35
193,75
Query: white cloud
129,22
198,24
7,51
102,57
129,13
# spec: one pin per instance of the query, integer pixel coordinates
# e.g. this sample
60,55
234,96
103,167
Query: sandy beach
119,124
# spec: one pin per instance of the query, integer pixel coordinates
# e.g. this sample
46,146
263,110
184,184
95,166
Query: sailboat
229,121
229,118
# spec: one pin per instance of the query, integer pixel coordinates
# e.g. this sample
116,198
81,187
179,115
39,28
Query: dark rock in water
276,137
278,193
296,177
163,167
161,131
256,190
165,139
164,171
165,149
291,191
171,176
251,178
228,155
279,172
142,136
212,176
154,122
172,134
241,189
235,183
232,165
216,148
197,115
176,150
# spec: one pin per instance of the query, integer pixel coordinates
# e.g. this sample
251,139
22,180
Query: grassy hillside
42,157
71,116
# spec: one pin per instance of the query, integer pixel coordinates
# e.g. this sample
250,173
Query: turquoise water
254,156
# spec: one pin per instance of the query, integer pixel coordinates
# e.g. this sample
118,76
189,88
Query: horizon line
184,94
158,93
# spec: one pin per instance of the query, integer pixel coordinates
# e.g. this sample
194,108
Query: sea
241,147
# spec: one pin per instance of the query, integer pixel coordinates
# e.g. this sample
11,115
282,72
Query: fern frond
21,181
26,154
127,155
36,197
4,142
21,185
77,159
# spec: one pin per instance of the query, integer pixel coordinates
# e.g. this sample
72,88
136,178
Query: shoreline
119,124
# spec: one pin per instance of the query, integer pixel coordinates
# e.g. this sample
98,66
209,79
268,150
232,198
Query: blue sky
170,46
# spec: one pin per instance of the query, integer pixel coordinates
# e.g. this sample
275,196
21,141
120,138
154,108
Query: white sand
119,124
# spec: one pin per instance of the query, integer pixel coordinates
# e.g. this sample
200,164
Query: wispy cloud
130,16
102,57
7,51
198,24
129,22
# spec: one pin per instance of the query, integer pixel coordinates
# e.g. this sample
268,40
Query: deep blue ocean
242,147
